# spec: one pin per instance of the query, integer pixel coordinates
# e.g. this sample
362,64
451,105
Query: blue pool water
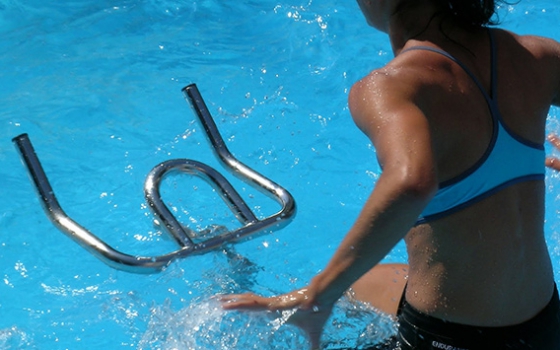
96,85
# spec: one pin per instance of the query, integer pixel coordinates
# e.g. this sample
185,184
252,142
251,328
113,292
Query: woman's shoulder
538,46
383,85
386,94
401,74
537,55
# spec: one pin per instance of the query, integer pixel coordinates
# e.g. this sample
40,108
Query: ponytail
473,13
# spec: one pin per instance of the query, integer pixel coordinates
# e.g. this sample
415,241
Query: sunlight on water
96,84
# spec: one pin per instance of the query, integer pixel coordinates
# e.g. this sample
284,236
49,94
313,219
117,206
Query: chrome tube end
20,138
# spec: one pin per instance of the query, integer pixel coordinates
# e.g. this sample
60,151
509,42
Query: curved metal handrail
239,169
78,233
182,235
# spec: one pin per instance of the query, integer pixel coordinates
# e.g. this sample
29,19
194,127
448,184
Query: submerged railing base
183,236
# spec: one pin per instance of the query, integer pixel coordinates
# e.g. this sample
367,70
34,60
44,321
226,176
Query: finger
230,297
554,140
244,301
553,163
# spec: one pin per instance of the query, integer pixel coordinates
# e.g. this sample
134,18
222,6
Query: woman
458,121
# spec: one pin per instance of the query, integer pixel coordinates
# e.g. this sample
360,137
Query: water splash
204,324
15,338
357,325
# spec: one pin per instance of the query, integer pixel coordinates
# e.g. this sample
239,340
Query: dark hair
473,13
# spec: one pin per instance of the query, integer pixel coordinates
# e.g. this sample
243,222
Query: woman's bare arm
400,134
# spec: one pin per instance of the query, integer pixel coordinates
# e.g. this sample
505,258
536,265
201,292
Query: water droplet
315,308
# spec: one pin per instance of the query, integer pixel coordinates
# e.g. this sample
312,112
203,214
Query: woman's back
486,264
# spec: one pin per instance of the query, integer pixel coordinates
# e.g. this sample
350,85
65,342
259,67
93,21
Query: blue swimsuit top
509,159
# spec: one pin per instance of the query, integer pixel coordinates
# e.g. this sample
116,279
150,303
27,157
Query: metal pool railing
182,235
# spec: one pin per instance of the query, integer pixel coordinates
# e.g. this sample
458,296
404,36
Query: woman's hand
308,316
553,162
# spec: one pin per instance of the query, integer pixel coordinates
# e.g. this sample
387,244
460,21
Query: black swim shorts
419,331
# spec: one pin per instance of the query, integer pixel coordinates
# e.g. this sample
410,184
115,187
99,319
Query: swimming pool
97,85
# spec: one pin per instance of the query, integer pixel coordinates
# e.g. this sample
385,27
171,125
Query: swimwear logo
438,345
